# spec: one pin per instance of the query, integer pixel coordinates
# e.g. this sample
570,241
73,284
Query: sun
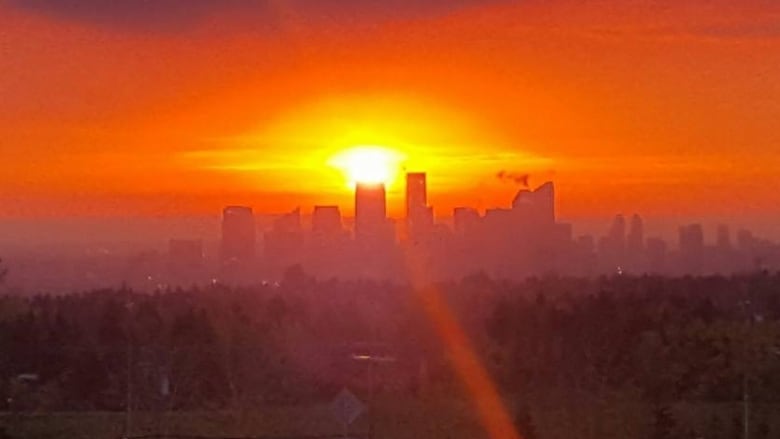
368,164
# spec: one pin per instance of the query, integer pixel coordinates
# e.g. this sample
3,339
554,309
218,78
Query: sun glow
322,148
368,164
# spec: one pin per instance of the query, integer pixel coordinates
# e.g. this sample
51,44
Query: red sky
665,108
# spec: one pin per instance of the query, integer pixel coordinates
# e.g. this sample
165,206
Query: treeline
213,347
661,340
667,339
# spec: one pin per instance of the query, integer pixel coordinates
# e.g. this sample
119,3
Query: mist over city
247,247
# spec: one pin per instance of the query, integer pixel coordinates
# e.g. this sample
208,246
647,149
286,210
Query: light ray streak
491,410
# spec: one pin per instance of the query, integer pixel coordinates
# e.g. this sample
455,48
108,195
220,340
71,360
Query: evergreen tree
714,428
737,429
762,430
664,425
524,423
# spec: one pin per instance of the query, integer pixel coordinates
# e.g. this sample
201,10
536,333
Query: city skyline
523,238
166,110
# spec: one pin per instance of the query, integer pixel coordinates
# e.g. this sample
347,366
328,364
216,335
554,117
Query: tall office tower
617,233
283,244
238,234
416,192
635,257
545,201
745,240
465,219
724,237
419,216
326,220
327,246
612,247
370,210
538,204
692,248
723,256
691,238
636,235
289,222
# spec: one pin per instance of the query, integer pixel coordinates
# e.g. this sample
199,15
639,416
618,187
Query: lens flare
483,392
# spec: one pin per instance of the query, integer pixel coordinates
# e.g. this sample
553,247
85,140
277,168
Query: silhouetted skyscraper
416,192
617,232
612,247
465,219
326,220
636,235
238,234
692,248
419,216
375,248
635,257
327,246
723,257
545,199
538,204
289,222
745,240
284,242
724,238
691,238
370,210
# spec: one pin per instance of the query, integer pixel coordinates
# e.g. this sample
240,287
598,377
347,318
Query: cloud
135,14
179,15
513,177
757,30
706,20
754,19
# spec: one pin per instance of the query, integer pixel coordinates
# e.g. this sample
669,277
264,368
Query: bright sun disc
368,164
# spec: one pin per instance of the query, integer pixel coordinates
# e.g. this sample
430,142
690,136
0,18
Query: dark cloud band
176,15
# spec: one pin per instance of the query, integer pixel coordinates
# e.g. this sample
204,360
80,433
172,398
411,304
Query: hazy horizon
157,231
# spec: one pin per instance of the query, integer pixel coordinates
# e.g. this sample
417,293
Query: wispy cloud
177,15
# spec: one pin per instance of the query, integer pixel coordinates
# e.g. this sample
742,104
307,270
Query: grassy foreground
400,419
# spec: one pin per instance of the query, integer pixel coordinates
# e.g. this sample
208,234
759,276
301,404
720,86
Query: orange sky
647,106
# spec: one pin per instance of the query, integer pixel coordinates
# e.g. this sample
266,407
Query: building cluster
629,251
521,240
